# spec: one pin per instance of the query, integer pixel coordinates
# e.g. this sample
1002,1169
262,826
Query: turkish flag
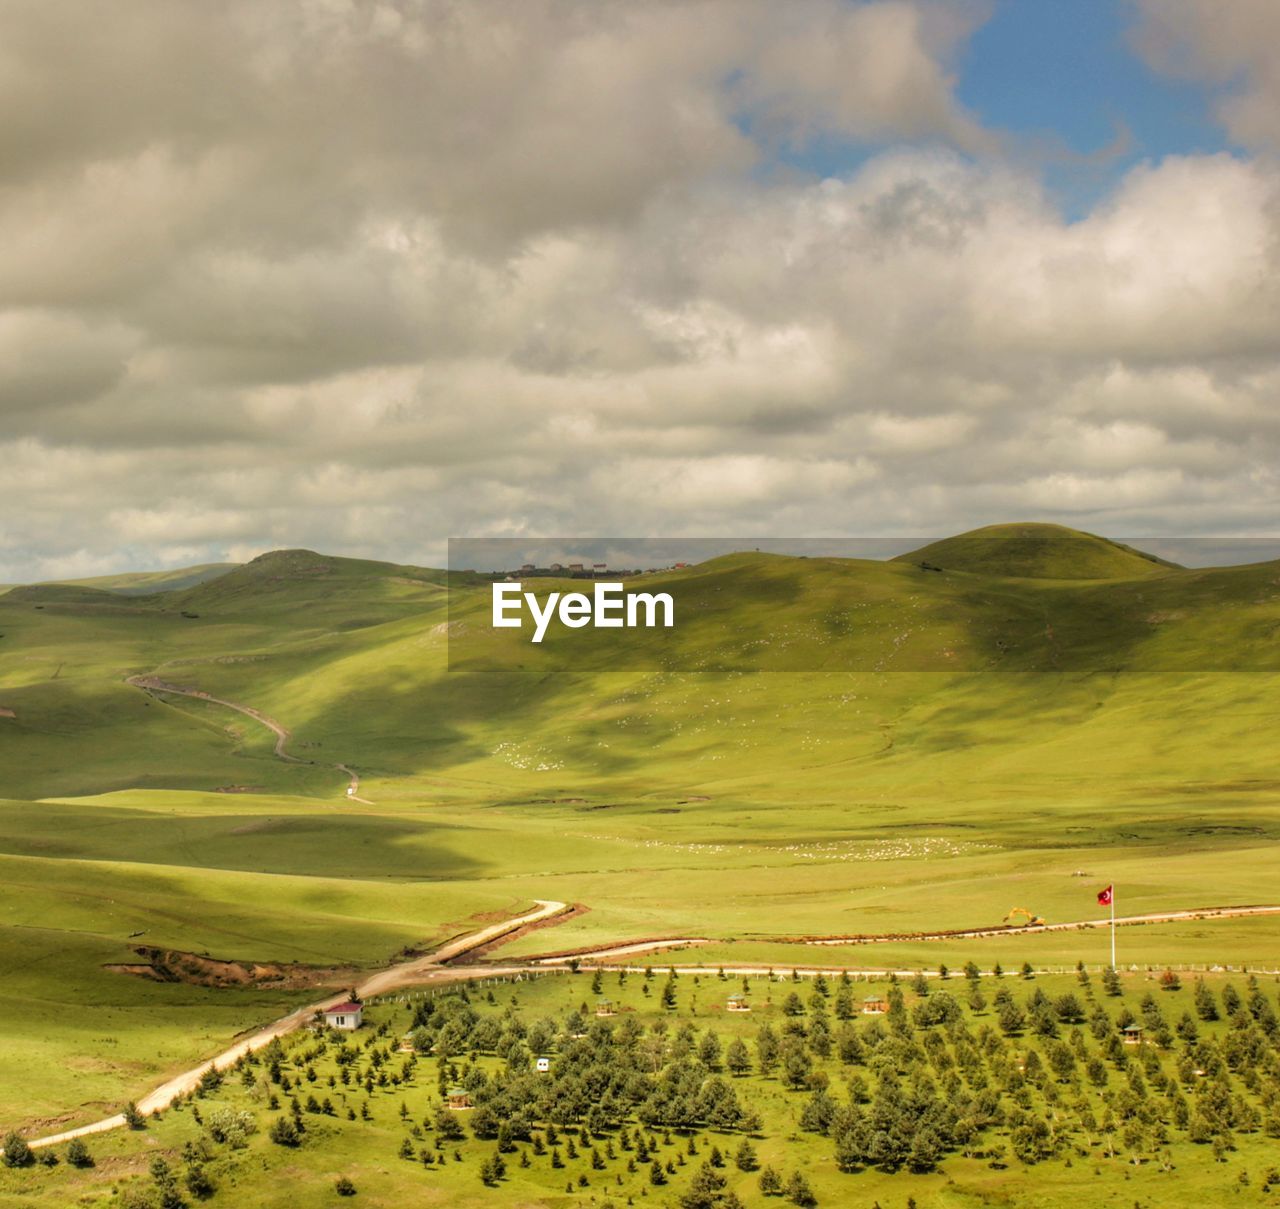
1104,897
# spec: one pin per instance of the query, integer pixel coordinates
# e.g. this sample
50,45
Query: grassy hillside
142,583
820,746
1039,552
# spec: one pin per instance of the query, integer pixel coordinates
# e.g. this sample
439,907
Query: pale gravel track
1157,917
422,969
597,953
154,684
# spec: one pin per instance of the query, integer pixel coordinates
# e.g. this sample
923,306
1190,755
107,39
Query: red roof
350,1006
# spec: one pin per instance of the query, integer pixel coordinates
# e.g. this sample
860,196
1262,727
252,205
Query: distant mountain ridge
145,583
1029,550
398,669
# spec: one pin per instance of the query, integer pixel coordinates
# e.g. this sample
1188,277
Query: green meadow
1052,1106
819,748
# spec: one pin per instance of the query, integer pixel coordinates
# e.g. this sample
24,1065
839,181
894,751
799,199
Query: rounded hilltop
1037,551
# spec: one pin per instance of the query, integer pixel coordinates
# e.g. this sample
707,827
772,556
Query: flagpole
1113,925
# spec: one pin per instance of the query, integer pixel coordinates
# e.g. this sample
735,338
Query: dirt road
622,950
585,956
422,969
1157,917
154,684
353,788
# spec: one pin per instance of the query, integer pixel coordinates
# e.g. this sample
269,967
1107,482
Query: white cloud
358,277
1234,46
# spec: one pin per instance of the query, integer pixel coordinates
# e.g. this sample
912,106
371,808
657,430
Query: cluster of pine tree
1052,1075
1018,1072
993,1069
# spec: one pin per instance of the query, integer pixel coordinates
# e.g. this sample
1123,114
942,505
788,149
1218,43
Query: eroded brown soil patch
172,965
482,951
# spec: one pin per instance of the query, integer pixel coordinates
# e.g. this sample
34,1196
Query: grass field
1099,1150
820,747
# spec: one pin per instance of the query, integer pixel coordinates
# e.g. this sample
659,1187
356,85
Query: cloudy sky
363,274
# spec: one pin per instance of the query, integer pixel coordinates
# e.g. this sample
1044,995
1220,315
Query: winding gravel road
154,684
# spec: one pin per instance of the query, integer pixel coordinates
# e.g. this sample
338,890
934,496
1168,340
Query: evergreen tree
198,1181
705,1189
1206,1004
78,1153
284,1132
737,1057
448,1127
16,1152
767,1049
1011,1018
166,1184
818,1113
770,1182
798,1190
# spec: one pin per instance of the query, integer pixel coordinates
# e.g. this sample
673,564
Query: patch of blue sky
1060,84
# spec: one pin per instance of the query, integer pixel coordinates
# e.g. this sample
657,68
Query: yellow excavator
1029,920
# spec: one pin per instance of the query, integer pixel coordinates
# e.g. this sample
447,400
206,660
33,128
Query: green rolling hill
142,583
1039,552
392,668
819,746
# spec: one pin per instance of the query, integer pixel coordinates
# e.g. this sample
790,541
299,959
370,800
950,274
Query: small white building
542,1065
344,1015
